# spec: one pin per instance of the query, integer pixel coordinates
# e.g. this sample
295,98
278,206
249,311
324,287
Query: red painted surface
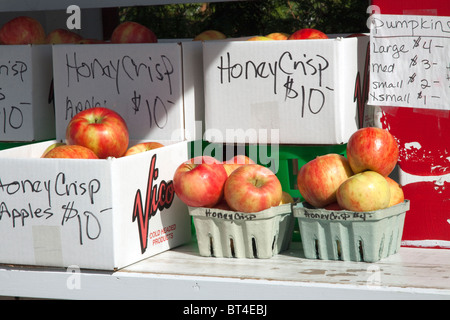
424,141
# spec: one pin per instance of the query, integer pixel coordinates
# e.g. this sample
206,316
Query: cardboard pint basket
347,235
231,234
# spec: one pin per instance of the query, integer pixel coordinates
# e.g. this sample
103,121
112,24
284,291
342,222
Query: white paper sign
410,61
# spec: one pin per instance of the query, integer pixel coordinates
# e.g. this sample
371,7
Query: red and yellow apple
142,147
235,162
132,32
365,191
70,152
373,149
319,179
307,33
59,36
252,188
278,36
100,129
52,146
397,195
209,35
333,206
22,30
286,198
260,38
200,185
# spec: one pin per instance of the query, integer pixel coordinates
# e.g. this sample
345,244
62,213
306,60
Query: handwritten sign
410,61
25,77
142,82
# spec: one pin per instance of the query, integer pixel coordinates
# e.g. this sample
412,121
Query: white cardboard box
290,92
101,214
26,106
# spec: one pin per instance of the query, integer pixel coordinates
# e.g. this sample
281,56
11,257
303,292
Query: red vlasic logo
158,198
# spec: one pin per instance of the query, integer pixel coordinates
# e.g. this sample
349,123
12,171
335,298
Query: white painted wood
183,274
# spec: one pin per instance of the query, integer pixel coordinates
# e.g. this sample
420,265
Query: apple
210,35
132,32
333,206
319,179
372,149
260,38
252,188
278,36
397,195
22,30
364,191
286,198
200,185
307,33
203,159
235,162
52,146
100,129
58,36
90,41
70,152
142,147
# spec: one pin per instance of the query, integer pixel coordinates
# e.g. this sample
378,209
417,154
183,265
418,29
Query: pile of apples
97,133
27,30
359,182
306,33
238,184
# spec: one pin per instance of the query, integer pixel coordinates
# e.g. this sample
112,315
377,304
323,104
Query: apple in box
307,33
143,147
22,30
319,179
374,149
210,35
70,152
59,36
100,129
252,188
133,32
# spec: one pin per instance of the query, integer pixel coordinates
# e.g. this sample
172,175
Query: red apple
372,149
235,162
307,33
278,36
58,36
397,195
319,179
252,188
102,130
71,152
22,30
142,147
132,32
52,146
333,206
365,191
200,185
210,35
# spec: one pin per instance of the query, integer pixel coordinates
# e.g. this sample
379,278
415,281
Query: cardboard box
289,92
101,214
98,214
26,112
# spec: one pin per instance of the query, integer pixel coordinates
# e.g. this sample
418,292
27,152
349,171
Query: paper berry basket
347,235
231,234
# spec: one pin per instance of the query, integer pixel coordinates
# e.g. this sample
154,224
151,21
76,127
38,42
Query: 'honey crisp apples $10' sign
142,82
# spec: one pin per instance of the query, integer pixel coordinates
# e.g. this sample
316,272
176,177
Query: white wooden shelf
182,274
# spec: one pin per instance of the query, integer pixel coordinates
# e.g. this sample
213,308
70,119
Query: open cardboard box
101,214
26,112
288,92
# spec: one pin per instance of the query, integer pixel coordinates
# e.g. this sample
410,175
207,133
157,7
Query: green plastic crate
350,236
9,145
